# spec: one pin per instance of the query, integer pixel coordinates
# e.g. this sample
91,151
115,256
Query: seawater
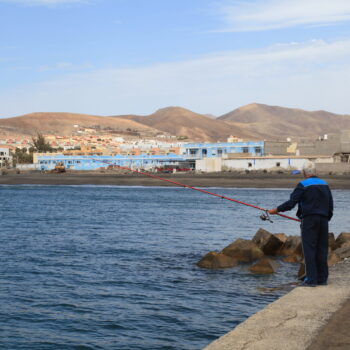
87,267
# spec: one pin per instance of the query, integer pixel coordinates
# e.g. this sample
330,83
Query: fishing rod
264,216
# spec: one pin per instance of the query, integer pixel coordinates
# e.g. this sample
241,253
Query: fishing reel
265,216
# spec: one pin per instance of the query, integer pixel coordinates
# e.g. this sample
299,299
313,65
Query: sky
111,57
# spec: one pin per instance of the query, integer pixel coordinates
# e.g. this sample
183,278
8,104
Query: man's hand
273,211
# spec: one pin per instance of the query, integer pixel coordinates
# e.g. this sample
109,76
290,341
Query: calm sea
87,267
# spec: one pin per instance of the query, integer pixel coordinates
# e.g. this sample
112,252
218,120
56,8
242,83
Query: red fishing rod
264,216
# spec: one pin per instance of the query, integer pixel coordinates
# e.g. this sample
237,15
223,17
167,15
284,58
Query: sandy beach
236,180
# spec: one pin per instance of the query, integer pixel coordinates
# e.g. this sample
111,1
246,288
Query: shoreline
302,319
228,180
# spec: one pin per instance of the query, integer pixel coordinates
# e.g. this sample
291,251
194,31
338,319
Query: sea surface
103,267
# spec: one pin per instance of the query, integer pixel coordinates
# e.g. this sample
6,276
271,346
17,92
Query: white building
5,157
257,163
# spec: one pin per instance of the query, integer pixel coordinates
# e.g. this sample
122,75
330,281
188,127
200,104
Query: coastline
302,319
234,180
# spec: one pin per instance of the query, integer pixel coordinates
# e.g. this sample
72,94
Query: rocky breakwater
338,248
265,250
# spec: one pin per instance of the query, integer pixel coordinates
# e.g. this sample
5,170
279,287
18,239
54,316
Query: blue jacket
313,197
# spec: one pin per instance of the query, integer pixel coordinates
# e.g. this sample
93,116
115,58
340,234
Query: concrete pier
305,318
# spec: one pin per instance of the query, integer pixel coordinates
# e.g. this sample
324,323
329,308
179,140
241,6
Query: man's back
316,199
313,197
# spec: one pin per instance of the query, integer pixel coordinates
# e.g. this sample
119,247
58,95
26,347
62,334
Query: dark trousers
314,236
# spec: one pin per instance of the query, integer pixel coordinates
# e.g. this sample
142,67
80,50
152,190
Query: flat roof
277,157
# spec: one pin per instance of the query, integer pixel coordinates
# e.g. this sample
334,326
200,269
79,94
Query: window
219,152
278,164
250,165
204,151
245,149
258,150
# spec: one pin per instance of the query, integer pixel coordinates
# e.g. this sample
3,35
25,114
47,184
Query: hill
273,121
63,124
250,122
185,123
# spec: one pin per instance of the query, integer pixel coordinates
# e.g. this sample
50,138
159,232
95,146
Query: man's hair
309,168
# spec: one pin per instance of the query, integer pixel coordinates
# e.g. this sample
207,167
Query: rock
333,258
243,250
344,251
292,246
342,238
293,258
331,241
301,272
267,242
215,260
281,236
264,266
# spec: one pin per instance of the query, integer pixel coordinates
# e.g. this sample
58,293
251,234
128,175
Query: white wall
28,166
263,163
209,165
5,157
5,152
218,164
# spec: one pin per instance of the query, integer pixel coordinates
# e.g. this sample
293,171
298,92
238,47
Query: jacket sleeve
330,211
295,198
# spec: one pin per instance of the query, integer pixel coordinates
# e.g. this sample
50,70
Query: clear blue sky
135,56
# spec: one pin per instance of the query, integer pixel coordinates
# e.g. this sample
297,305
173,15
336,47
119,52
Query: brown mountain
254,121
63,124
278,122
183,122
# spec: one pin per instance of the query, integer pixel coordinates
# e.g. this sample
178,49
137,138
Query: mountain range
253,121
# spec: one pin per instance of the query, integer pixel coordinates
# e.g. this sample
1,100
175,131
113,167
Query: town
88,151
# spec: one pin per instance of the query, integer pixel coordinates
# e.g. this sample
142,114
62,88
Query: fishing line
264,216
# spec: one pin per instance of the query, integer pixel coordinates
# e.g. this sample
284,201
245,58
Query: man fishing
315,209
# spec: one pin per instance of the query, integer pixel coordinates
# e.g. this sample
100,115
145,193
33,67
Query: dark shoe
305,283
302,278
324,283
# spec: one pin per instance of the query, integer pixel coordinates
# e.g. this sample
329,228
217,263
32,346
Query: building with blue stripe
48,162
208,150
